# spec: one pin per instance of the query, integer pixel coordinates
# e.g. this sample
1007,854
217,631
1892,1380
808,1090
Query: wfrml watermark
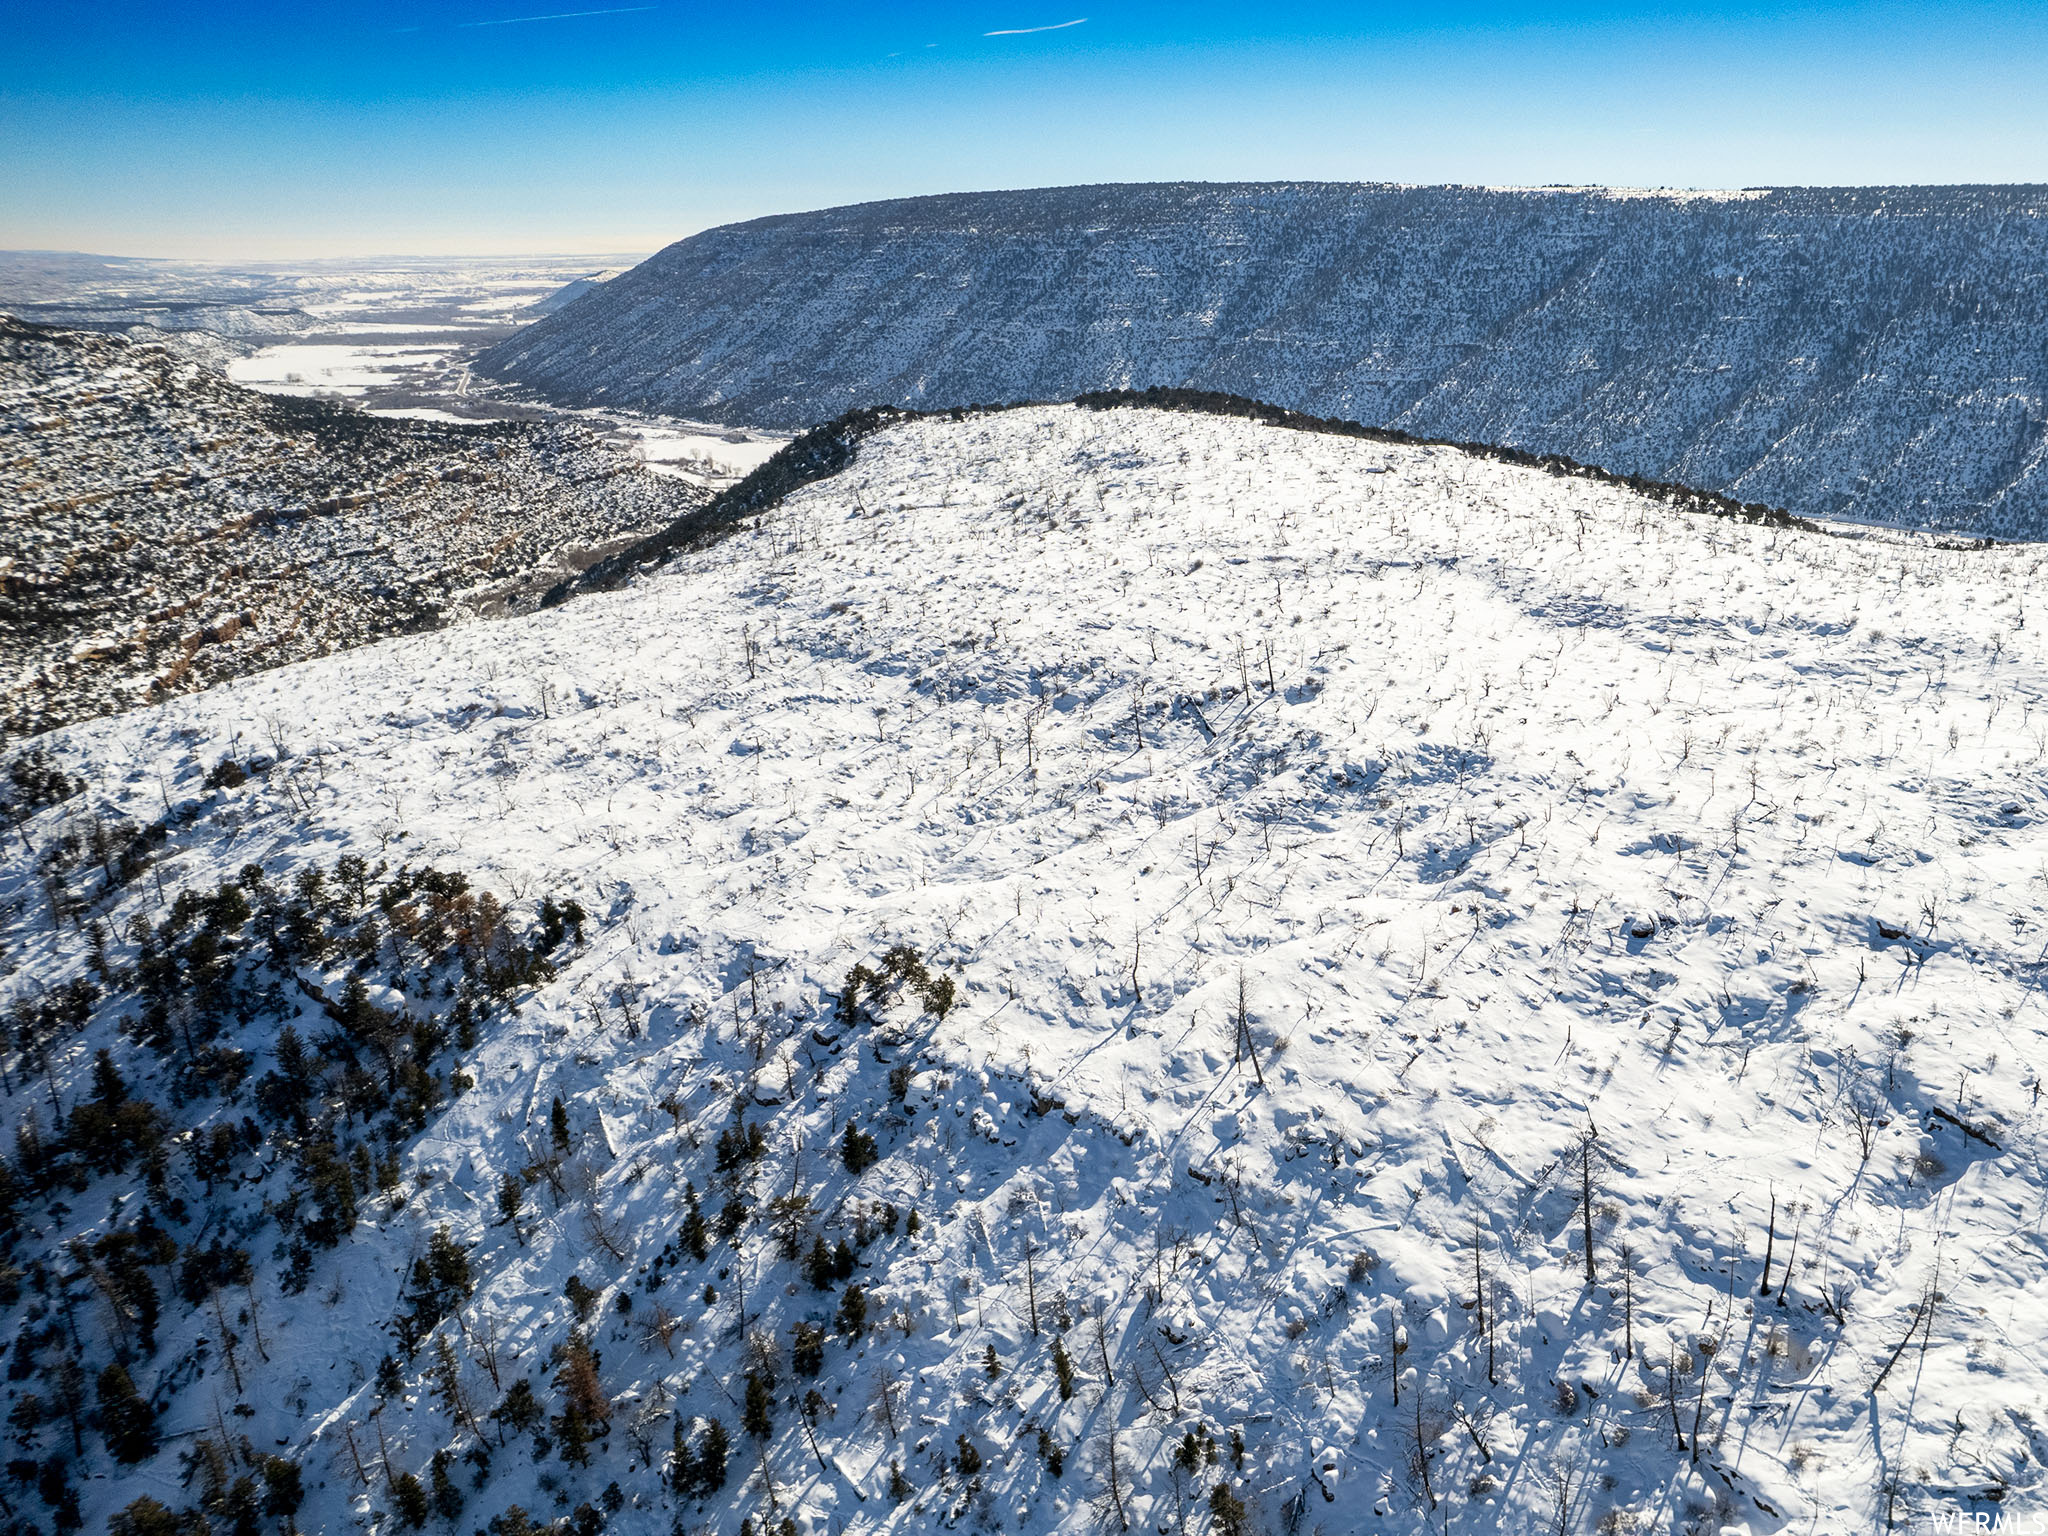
1965,1522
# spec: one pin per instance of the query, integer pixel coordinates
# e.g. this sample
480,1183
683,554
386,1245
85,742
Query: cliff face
1875,353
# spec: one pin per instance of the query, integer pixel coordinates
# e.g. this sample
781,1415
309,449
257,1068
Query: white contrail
1057,26
511,21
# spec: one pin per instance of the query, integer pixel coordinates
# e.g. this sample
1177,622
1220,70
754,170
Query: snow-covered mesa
1346,855
1870,353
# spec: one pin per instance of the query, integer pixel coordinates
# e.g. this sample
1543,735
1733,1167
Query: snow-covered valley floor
1346,858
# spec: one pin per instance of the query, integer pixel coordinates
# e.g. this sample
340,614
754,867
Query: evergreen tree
581,1297
558,1126
683,1475
441,1282
712,1453
68,1396
857,1149
283,1492
1063,1367
145,1517
511,1197
807,1349
572,1432
125,1418
758,1418
818,1266
521,1408
108,1091
56,1491
731,1217
447,1497
1227,1516
409,1501
696,1233
333,1186
853,1312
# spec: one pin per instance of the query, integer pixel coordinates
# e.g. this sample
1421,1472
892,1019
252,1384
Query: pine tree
511,1197
447,1497
145,1517
853,1312
1063,1367
818,1266
53,1486
808,1411
807,1349
447,1378
711,1457
572,1434
758,1418
968,1456
1049,1450
521,1408
683,1474
558,1126
1227,1516
68,1396
409,1501
731,1217
126,1419
581,1297
283,1490
900,1487
857,1149
991,1363
696,1234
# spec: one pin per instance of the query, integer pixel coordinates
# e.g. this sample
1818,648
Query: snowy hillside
161,529
1091,958
1873,353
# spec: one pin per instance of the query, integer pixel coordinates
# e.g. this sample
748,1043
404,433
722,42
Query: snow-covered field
1347,857
330,367
699,453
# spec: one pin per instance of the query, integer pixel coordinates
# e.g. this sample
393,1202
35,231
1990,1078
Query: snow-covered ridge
1339,850
1870,353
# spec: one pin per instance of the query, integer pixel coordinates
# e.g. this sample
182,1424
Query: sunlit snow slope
1343,853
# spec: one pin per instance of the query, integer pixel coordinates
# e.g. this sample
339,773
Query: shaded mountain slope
1874,353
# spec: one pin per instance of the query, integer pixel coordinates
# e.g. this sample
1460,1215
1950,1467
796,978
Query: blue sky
361,126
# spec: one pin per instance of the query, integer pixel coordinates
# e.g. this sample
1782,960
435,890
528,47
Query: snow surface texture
1325,838
1872,353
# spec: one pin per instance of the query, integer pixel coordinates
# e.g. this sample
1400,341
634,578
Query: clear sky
249,128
